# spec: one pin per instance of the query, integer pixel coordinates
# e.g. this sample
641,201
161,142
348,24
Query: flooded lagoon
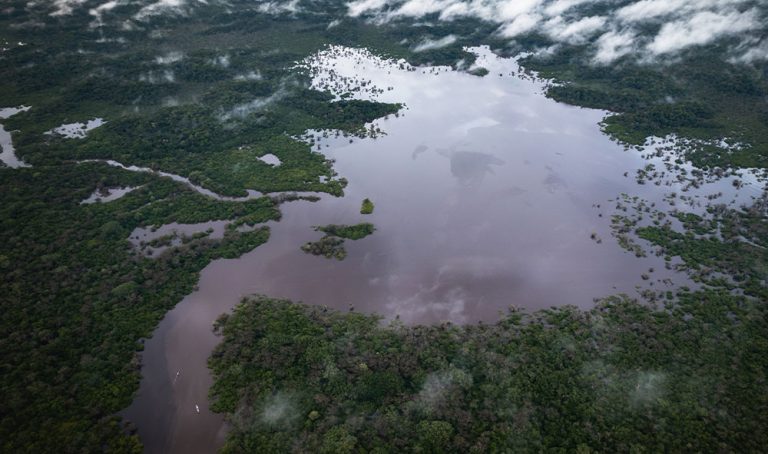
487,195
78,130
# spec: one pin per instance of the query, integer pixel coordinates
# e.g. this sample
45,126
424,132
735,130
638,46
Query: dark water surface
486,196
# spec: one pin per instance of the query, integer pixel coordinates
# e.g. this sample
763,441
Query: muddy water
487,195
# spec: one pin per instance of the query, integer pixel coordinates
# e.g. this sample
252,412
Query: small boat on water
197,408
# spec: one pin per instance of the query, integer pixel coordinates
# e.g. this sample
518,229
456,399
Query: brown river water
486,195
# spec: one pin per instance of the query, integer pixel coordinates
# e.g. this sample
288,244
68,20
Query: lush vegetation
208,113
350,232
332,244
622,377
722,247
725,248
699,97
77,297
327,246
366,207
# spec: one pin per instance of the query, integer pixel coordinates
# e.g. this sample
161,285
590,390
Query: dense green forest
327,246
350,232
622,377
77,298
204,93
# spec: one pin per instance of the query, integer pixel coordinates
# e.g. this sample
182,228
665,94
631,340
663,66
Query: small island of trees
332,244
367,207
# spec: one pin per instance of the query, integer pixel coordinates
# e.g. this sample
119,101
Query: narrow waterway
486,193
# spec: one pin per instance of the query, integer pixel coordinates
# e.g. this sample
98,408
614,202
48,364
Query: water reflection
487,195
553,181
470,167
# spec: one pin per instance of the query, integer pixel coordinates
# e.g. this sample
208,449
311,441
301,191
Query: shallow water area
487,195
78,130
107,195
8,153
270,159
142,237
206,192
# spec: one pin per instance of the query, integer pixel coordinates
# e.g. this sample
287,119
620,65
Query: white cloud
241,111
359,7
160,7
418,8
65,7
648,9
652,10
521,24
454,10
513,9
682,23
754,53
99,10
613,45
250,75
429,44
170,57
616,32
561,6
291,6
158,77
702,28
221,60
574,32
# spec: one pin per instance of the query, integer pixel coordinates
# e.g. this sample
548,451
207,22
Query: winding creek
487,194
207,192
